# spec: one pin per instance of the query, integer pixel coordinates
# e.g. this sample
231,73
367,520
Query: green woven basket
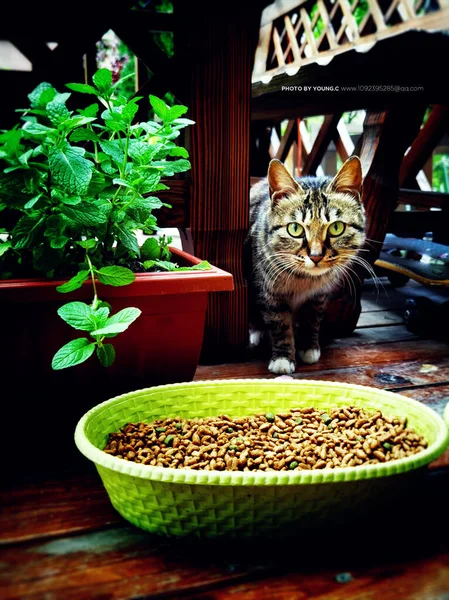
215,503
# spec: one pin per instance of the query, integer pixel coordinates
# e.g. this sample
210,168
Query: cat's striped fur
299,254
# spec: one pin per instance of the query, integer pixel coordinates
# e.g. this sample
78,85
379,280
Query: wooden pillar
386,137
221,40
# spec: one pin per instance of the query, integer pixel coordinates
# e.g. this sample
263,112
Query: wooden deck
61,539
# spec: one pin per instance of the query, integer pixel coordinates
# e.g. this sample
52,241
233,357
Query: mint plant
75,187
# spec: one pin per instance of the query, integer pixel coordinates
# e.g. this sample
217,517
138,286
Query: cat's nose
316,258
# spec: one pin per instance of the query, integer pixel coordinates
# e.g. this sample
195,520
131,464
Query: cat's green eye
295,230
336,228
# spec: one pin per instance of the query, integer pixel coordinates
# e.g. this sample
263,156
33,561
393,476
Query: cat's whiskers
276,268
342,270
359,260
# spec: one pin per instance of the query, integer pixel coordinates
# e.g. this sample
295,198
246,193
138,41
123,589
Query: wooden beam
278,48
290,136
308,32
436,21
377,15
349,18
321,144
261,56
278,9
420,198
328,27
293,42
424,144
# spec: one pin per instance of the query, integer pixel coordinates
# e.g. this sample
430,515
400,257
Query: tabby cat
303,236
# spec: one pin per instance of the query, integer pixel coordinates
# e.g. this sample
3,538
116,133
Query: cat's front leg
311,317
279,322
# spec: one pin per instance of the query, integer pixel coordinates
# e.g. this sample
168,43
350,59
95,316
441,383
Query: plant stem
125,158
92,274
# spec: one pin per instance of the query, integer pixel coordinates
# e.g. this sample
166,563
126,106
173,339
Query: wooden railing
296,33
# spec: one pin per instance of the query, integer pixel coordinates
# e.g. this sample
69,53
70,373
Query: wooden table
61,539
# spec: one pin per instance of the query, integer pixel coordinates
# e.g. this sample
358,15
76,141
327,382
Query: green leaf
104,304
97,183
69,168
141,208
123,183
170,266
78,315
85,213
113,150
77,121
74,283
73,353
129,111
159,107
83,135
33,201
170,167
143,152
26,230
115,276
37,93
150,249
166,265
83,88
37,129
103,79
128,239
175,112
180,123
119,322
55,224
23,158
11,141
178,151
59,241
90,111
57,111
202,266
106,354
4,247
46,97
87,244
70,200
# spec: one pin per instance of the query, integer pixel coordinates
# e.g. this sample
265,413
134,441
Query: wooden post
386,137
424,144
323,139
221,43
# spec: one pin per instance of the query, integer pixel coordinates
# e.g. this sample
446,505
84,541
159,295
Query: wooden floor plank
380,318
391,352
124,562
374,335
54,507
419,580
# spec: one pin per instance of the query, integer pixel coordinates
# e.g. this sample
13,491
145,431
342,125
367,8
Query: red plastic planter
162,346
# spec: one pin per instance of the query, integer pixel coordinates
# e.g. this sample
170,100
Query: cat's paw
310,356
282,366
255,338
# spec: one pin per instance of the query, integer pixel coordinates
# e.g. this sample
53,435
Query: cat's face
316,225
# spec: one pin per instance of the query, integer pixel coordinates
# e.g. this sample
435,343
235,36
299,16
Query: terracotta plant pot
162,346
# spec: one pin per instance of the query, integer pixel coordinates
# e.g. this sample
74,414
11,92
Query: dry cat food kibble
299,438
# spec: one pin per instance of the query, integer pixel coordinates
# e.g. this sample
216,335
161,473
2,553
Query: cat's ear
280,181
348,179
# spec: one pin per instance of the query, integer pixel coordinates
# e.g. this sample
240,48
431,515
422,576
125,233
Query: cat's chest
303,290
